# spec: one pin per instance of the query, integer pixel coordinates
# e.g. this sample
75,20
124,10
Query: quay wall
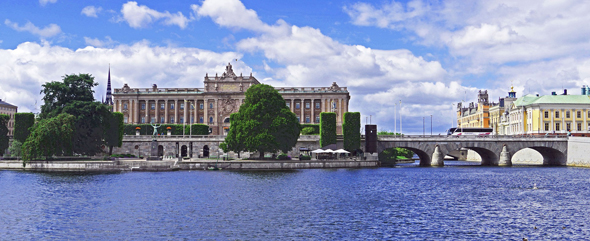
578,149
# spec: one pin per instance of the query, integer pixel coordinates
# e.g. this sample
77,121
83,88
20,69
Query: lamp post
430,124
423,128
400,119
395,120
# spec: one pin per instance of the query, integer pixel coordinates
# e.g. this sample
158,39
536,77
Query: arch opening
488,157
527,156
206,151
183,151
551,157
160,150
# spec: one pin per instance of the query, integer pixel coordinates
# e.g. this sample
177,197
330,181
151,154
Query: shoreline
131,165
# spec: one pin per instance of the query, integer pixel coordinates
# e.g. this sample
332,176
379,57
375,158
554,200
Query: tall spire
109,100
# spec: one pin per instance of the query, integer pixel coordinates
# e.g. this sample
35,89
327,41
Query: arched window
210,119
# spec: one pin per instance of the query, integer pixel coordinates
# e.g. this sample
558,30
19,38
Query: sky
429,55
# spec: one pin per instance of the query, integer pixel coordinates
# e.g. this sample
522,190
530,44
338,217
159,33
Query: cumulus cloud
141,16
140,65
91,11
45,2
99,43
46,32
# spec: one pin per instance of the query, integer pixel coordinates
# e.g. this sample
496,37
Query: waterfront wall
578,151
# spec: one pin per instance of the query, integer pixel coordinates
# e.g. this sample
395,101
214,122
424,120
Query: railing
203,137
474,137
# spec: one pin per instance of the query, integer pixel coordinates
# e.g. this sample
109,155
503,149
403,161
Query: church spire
109,100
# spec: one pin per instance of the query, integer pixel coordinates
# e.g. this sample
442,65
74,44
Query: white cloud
231,14
24,69
45,2
91,11
99,43
46,32
142,16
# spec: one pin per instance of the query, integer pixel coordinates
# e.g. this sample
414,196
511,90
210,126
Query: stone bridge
493,150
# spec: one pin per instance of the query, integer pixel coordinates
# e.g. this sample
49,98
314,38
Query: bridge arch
423,152
551,156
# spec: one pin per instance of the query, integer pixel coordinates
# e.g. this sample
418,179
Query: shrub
351,128
283,157
327,128
315,129
308,131
304,157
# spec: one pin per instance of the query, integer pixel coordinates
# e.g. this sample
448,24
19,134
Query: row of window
181,120
307,105
162,106
567,114
568,126
8,108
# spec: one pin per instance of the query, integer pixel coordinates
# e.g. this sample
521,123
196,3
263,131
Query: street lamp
395,120
430,124
423,131
400,119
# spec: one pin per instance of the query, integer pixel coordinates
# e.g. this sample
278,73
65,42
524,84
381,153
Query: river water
456,202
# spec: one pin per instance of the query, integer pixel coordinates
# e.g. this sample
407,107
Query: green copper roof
552,99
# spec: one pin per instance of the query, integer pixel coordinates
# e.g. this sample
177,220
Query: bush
304,157
351,129
315,129
308,131
283,157
22,123
327,128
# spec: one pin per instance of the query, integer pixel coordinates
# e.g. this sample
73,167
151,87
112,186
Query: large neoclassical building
221,96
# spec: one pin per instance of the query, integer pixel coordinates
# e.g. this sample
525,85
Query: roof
6,103
552,99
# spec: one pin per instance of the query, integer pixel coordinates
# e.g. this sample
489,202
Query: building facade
484,114
220,97
8,109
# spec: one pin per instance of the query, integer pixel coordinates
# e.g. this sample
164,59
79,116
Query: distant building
476,114
220,97
10,110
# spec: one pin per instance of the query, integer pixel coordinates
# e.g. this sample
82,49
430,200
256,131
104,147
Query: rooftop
4,103
552,99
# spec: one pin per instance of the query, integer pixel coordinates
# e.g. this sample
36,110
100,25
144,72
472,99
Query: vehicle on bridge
454,131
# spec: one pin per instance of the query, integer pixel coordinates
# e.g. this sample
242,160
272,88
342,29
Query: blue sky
429,54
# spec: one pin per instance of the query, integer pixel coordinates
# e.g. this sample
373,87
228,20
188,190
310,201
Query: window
307,105
557,114
568,126
153,120
289,105
307,119
201,106
172,106
153,106
181,120
143,106
210,105
210,119
192,119
142,119
162,119
317,105
546,126
579,127
125,107
557,127
546,114
201,119
182,106
171,120
317,119
567,114
297,105
192,106
579,114
333,105
298,120
125,120
162,106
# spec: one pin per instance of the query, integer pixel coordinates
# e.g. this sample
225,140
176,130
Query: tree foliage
351,129
53,136
264,123
327,128
22,123
315,129
114,131
58,94
3,132
15,148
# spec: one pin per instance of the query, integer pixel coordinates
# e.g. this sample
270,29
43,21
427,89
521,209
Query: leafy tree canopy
264,123
58,94
50,137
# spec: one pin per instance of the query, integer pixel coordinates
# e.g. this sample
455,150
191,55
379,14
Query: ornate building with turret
220,97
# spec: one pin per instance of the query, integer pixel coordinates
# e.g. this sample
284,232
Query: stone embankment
142,165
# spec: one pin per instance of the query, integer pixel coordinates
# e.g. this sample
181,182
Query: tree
114,131
264,123
15,148
50,137
327,128
22,123
3,133
308,131
58,94
351,129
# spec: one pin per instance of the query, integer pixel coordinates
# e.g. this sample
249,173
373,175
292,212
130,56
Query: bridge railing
479,137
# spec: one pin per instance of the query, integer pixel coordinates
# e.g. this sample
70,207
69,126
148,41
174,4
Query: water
403,203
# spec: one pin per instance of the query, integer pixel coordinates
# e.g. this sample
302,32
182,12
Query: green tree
114,131
3,133
351,129
50,137
327,128
22,123
264,123
59,94
308,131
15,148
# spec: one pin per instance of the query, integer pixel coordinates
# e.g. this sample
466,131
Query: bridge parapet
471,138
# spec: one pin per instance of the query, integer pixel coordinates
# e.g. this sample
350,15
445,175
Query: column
116,105
196,110
312,115
147,111
205,112
186,110
340,109
157,111
291,105
301,108
175,111
166,111
215,111
136,111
